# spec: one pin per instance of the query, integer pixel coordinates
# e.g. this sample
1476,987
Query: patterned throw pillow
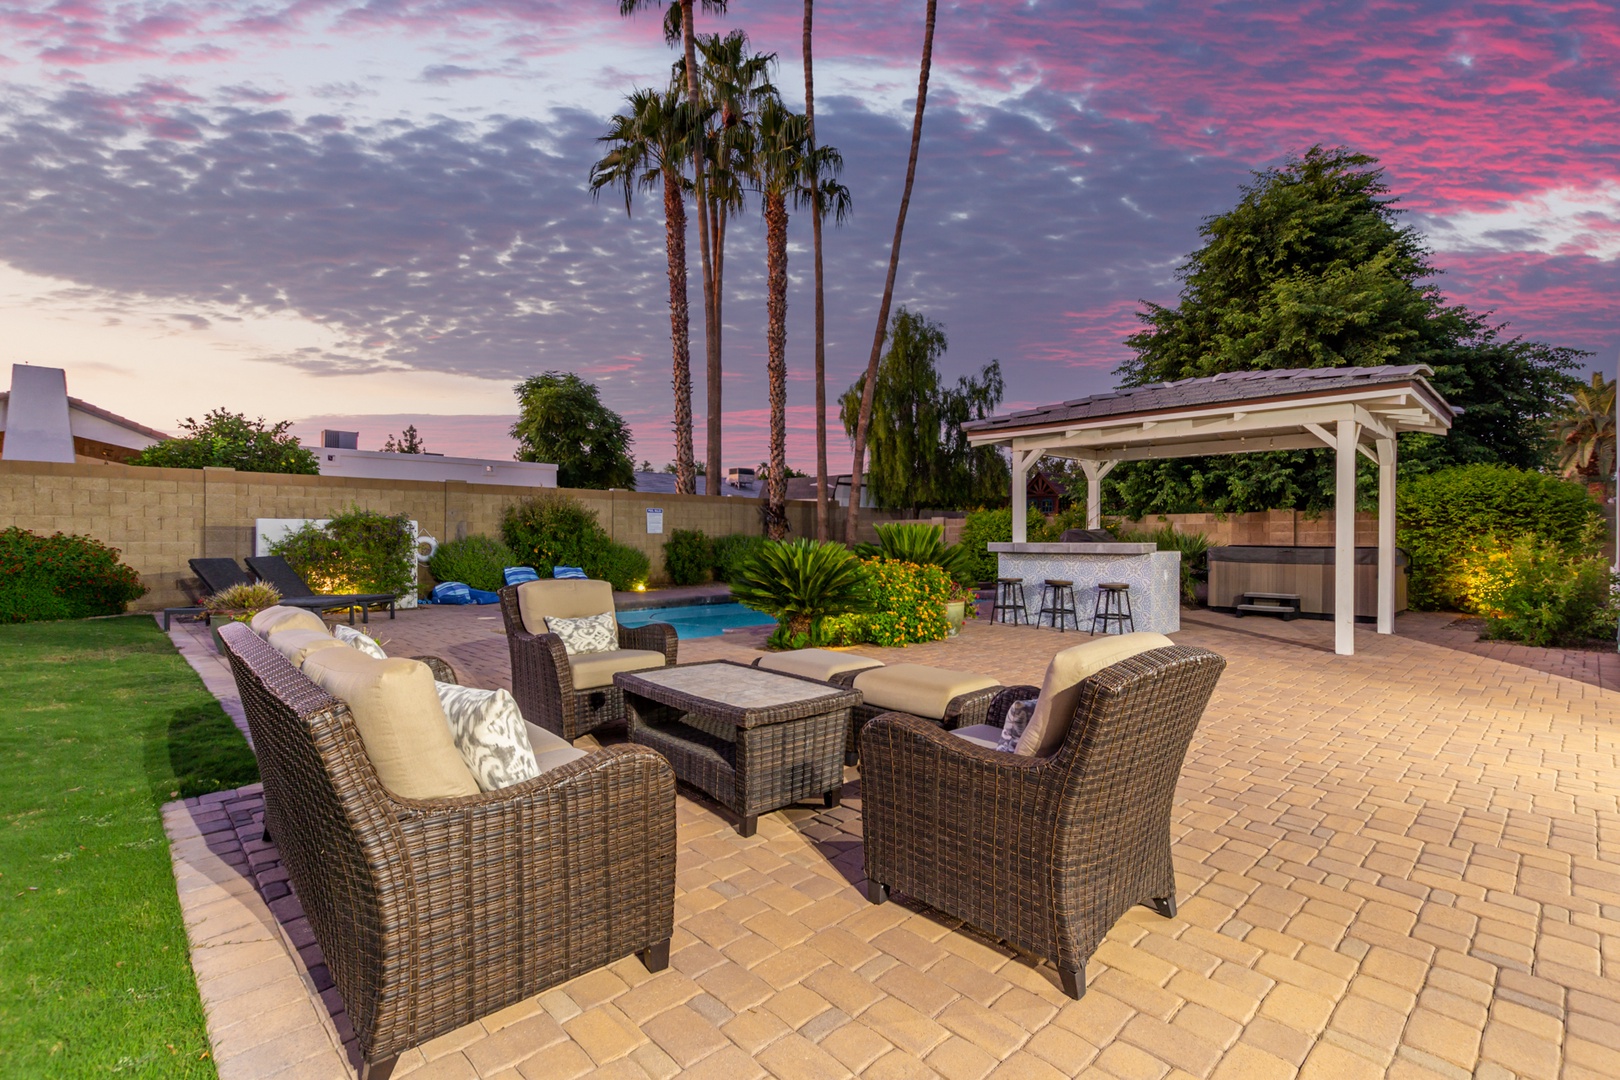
1017,720
591,634
354,639
488,731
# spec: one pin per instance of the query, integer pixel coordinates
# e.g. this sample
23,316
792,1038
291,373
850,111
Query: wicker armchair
1045,853
433,913
543,679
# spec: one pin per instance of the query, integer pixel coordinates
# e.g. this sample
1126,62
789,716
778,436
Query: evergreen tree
409,442
1311,269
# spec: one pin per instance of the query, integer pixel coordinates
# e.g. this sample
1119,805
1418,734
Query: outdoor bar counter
1153,575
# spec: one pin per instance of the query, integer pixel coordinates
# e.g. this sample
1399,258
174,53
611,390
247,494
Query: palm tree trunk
680,331
865,422
822,527
776,256
711,344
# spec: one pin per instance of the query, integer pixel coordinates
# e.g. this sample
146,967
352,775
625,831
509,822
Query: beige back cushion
297,645
275,619
563,598
403,726
1060,693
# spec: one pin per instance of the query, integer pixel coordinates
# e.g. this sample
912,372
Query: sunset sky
361,216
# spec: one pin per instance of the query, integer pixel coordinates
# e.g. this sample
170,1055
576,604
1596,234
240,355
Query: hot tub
1306,572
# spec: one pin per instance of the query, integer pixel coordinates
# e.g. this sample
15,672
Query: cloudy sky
363,215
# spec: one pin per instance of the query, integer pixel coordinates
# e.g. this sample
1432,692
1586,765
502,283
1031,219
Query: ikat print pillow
590,634
489,732
1017,720
354,639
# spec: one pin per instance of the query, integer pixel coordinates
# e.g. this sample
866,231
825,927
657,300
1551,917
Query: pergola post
1386,536
1021,461
1095,471
1347,435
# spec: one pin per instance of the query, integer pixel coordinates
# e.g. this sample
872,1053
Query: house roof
1213,391
100,413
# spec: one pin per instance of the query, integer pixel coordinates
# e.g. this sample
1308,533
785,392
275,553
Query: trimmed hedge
550,530
688,556
61,577
473,560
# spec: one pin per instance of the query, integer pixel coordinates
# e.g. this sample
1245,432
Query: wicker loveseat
433,913
1043,852
573,695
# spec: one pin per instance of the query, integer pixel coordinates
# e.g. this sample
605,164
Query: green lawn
101,722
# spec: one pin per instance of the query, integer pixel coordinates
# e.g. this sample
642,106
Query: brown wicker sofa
547,686
433,913
1045,853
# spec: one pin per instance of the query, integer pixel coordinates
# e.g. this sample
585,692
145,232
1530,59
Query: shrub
914,542
1454,519
1536,594
800,583
905,606
993,526
252,598
688,556
731,552
61,577
473,560
232,441
356,551
550,530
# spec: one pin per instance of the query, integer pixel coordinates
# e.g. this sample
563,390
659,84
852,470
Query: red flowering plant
61,577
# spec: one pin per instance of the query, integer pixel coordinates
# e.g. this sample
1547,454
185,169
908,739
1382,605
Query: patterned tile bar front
1154,578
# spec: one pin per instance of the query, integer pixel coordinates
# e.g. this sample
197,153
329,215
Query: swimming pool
697,620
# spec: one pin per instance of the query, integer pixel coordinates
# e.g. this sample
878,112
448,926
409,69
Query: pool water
697,620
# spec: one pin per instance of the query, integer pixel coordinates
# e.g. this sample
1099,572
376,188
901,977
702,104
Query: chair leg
748,824
1164,905
1074,981
655,958
380,1069
877,892
265,836
832,798
851,758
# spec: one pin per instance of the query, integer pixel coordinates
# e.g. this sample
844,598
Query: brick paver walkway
1404,863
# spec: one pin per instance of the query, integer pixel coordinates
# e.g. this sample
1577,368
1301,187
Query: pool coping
714,592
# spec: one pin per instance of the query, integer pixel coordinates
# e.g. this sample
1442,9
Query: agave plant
801,582
249,597
925,545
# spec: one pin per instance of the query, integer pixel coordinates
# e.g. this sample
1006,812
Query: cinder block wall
159,518
1282,528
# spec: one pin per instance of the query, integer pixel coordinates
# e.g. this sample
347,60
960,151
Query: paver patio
1401,863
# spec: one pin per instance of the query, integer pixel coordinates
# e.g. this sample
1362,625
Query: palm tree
821,310
864,424
1585,433
784,166
711,338
650,144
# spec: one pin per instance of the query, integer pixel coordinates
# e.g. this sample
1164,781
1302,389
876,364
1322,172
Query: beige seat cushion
403,726
1060,692
275,619
592,670
820,664
551,750
916,688
563,598
297,645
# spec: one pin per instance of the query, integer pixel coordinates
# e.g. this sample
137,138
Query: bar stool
1054,593
1113,606
1009,602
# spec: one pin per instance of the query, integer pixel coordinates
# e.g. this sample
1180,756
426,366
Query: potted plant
963,605
239,603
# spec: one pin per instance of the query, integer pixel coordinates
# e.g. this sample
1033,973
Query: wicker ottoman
951,699
823,664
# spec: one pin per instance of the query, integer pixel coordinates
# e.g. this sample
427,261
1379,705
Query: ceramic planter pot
955,612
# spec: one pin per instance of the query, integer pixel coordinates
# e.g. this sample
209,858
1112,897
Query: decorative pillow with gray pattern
590,634
354,639
489,732
1017,720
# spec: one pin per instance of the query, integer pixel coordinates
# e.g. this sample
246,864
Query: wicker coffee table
754,740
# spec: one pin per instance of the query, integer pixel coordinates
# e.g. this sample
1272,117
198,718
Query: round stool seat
1009,581
1058,581
1114,586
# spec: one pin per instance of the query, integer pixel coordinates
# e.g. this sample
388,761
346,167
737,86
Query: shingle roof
1220,389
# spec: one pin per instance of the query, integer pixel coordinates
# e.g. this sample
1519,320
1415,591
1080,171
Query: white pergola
1345,409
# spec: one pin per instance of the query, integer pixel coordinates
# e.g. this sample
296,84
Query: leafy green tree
227,440
919,455
562,421
1313,269
1584,432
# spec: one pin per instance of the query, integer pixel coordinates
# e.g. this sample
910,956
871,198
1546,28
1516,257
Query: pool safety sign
655,520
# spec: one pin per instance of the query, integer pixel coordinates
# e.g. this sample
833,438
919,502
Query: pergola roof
1237,412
